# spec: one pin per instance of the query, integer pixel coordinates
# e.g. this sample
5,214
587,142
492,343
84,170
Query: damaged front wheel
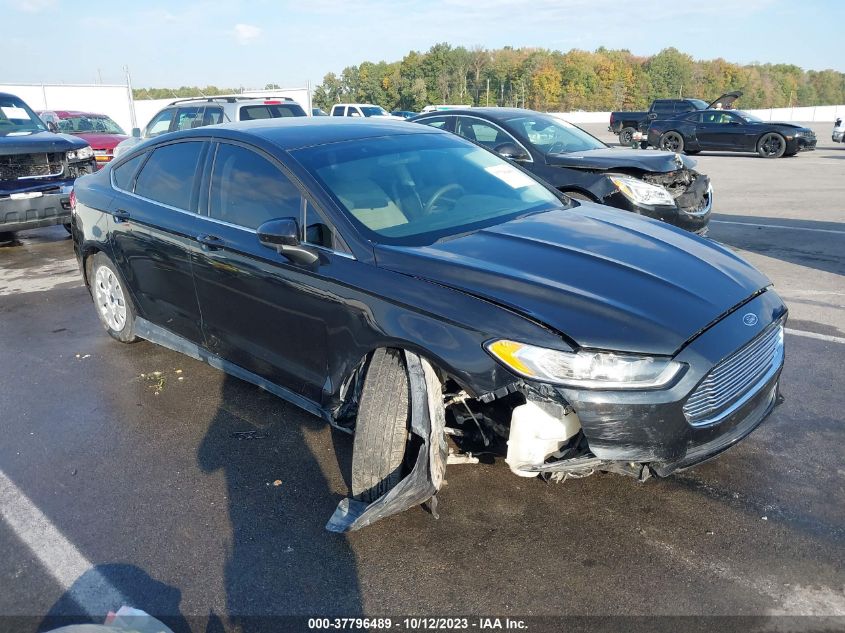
381,429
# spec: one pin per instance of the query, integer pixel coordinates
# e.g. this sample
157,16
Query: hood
792,126
36,142
605,279
98,140
610,159
725,102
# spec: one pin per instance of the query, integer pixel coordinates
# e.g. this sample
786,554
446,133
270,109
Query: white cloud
36,6
246,33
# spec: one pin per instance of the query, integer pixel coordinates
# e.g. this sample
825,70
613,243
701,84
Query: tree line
554,81
577,80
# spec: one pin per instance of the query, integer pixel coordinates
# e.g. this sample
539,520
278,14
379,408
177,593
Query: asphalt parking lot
190,494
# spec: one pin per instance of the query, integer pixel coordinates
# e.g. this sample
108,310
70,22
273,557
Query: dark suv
37,169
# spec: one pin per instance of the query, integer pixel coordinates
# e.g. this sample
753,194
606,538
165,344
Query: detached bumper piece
426,477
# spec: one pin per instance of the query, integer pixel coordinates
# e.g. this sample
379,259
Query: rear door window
169,175
247,189
664,107
188,117
338,111
440,122
352,111
212,116
482,132
271,111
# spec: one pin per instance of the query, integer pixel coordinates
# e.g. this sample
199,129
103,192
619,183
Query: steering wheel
556,147
437,195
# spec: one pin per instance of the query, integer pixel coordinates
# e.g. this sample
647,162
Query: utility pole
488,92
131,97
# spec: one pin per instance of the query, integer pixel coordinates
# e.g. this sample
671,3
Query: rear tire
672,142
771,145
626,135
691,152
381,429
111,299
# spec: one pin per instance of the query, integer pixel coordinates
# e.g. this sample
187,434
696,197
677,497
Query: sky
237,43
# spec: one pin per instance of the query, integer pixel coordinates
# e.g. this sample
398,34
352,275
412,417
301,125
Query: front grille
736,379
41,165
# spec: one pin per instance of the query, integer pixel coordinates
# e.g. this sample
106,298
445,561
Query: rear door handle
120,215
211,242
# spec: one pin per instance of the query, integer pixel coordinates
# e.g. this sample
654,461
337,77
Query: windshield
554,136
414,189
749,117
374,111
17,118
85,124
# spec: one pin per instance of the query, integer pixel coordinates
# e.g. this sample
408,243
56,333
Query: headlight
642,192
597,370
80,154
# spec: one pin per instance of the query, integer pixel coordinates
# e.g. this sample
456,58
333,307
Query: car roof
294,132
494,113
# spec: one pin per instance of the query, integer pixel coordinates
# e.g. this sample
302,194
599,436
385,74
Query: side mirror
510,151
51,125
652,115
282,235
136,132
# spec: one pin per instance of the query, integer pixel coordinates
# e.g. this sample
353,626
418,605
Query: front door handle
210,242
120,215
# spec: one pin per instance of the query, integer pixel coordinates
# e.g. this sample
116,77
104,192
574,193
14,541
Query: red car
101,133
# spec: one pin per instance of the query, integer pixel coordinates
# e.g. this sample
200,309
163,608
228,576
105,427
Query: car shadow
809,243
281,560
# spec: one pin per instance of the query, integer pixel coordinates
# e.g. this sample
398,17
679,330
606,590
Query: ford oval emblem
750,319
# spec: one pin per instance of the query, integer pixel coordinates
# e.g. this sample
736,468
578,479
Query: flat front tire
111,299
382,426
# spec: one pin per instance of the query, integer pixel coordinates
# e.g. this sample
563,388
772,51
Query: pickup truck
625,123
37,169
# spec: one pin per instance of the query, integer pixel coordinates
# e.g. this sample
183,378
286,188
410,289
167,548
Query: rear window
252,112
168,176
125,173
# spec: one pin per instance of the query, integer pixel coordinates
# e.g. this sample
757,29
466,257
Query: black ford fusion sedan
404,284
659,185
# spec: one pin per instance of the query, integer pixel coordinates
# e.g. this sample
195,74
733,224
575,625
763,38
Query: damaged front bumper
691,191
630,431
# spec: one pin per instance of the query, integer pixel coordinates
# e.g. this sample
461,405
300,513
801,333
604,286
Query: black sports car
732,131
390,277
659,185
